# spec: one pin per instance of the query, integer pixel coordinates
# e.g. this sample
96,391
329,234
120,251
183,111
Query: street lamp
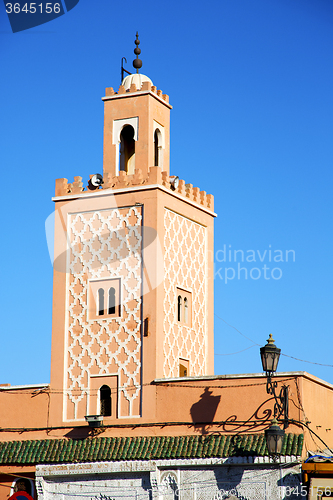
274,438
274,435
270,355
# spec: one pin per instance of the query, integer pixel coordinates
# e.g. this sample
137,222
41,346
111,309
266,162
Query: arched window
184,307
185,310
112,301
179,308
127,150
105,400
100,302
157,148
104,298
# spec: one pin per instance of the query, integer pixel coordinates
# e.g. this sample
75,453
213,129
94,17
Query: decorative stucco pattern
169,479
103,244
185,261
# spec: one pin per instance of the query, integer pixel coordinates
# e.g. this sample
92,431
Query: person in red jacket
20,490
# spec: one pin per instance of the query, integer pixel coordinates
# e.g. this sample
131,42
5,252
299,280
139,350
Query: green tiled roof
140,448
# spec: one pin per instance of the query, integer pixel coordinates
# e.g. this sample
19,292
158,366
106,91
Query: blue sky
251,87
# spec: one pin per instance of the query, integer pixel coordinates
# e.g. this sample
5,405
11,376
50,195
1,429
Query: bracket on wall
281,405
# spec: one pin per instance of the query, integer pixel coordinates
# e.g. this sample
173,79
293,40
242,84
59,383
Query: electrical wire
255,343
232,353
305,361
315,456
154,424
6,485
305,424
134,425
160,383
242,334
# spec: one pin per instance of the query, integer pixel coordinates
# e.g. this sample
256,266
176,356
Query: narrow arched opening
100,302
105,400
157,148
112,301
179,312
185,310
127,150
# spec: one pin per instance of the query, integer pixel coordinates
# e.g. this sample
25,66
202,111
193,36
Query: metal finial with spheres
137,63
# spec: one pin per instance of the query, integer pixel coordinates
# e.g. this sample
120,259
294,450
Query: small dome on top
137,79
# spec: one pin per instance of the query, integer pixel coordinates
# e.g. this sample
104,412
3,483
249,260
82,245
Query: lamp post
274,435
270,355
274,438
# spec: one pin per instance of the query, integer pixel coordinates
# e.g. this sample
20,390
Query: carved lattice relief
168,488
104,244
185,261
244,490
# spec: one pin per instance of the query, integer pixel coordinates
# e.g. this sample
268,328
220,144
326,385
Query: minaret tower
136,125
133,272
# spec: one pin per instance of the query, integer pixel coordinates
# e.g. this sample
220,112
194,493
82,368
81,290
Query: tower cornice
156,178
107,192
136,94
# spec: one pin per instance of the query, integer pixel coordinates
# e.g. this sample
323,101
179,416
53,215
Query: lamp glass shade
270,355
274,438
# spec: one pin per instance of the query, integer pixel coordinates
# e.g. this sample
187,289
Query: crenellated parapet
145,87
123,180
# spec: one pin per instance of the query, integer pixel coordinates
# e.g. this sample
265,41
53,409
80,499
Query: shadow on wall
81,432
203,411
293,484
228,480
